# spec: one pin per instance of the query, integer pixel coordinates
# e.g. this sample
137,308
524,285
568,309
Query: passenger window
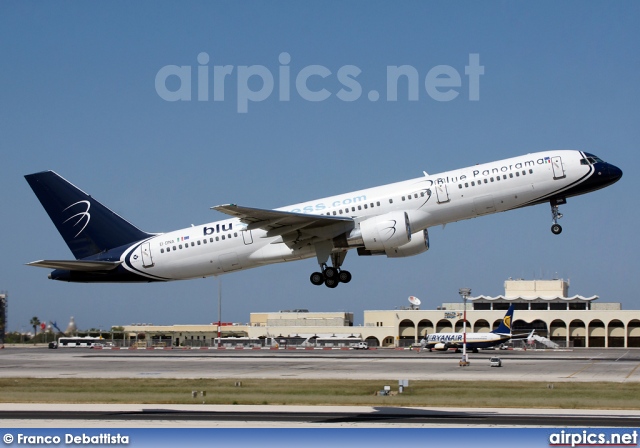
235,234
174,247
359,207
485,181
180,246
517,173
530,171
217,238
365,206
473,184
334,213
403,198
498,178
390,201
524,172
168,249
492,179
192,244
466,185
199,242
223,237
161,251
353,209
204,241
511,175
460,186
372,205
378,203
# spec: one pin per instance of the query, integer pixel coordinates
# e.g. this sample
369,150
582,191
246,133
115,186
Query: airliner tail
87,226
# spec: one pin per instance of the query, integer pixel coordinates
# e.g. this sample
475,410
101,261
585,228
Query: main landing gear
331,275
556,228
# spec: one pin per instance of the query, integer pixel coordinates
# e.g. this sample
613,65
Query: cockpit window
591,160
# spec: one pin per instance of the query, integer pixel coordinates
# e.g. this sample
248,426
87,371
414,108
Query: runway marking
632,372
622,356
581,370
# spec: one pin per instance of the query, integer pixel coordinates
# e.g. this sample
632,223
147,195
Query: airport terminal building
540,305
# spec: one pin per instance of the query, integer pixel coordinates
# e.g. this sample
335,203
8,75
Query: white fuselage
444,341
224,246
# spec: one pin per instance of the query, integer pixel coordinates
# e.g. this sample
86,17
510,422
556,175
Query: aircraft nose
615,173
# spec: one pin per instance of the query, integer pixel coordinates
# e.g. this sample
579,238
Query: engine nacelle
386,231
440,347
419,243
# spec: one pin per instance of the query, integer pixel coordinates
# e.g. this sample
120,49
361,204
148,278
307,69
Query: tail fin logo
82,217
507,321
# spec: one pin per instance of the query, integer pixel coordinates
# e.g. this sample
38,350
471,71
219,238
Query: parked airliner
389,220
446,341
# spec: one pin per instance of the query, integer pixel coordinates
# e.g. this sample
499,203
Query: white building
543,305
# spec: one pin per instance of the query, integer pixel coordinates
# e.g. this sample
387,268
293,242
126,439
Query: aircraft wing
77,265
277,222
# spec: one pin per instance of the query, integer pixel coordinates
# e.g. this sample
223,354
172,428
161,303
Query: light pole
464,292
219,311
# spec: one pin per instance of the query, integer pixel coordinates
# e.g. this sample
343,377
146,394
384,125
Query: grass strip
563,395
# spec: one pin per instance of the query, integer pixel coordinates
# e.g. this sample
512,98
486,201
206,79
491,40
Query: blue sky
78,95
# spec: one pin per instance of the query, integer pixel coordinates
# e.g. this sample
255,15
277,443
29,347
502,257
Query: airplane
391,220
446,341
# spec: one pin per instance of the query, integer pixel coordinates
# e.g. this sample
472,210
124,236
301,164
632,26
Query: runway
616,365
582,365
26,415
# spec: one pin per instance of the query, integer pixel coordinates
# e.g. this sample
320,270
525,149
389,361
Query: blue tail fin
87,226
505,325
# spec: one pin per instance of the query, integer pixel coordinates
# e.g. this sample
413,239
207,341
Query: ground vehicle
494,361
360,346
78,342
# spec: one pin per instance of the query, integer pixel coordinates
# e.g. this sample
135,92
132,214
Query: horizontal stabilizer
77,265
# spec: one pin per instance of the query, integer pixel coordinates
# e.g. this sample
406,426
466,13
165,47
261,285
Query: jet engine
419,243
379,233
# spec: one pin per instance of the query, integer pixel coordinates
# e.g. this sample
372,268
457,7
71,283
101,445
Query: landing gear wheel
317,278
344,276
330,273
556,229
331,282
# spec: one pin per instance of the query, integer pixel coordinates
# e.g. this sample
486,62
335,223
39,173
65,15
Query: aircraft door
147,260
247,237
558,168
442,194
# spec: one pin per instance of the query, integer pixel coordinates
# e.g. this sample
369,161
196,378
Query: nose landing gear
556,228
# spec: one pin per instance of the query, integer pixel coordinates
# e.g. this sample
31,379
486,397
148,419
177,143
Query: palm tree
35,322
